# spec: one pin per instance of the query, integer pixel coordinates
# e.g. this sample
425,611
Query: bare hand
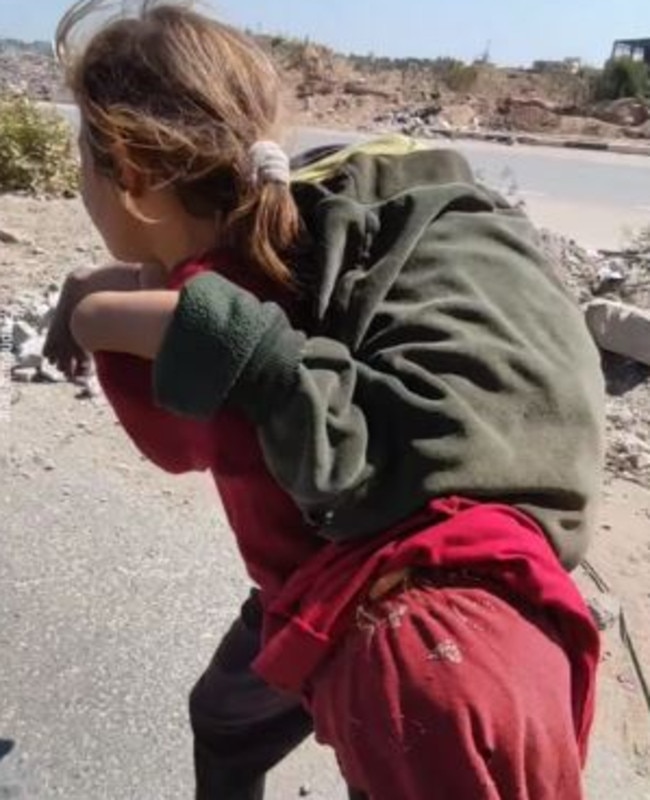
61,349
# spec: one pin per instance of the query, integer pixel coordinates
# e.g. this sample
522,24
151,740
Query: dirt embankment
411,95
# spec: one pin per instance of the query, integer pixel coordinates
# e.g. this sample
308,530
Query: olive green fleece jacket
443,358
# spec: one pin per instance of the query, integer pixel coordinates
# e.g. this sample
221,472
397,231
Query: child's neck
177,240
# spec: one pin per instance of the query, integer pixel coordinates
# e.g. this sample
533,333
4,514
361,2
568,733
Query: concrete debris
26,323
90,388
20,375
25,326
621,329
28,70
22,332
609,278
622,276
30,354
47,373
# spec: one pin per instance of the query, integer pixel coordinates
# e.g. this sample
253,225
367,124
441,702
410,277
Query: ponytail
265,229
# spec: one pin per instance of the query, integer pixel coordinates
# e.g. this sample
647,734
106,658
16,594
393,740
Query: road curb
622,148
534,140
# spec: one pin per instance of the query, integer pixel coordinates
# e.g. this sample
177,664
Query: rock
7,237
608,278
620,328
23,375
90,388
605,610
621,419
30,354
624,112
47,373
40,316
22,333
628,454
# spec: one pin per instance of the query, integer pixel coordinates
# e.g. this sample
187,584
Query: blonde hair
184,98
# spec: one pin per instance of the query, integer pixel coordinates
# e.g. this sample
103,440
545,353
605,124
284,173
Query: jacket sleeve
224,345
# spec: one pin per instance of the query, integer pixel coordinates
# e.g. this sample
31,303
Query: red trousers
449,690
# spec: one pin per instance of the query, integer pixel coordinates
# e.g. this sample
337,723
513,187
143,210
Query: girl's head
172,104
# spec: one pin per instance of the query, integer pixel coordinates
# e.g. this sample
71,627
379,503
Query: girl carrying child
400,406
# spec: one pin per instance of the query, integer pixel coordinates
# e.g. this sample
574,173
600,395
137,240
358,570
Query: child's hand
61,349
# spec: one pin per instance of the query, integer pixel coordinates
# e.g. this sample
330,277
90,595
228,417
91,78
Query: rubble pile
614,290
378,95
30,72
25,322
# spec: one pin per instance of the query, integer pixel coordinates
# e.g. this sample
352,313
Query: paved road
116,583
592,197
595,198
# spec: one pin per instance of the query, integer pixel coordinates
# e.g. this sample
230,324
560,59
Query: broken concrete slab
620,328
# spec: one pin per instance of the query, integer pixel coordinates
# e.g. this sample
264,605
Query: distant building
638,49
572,65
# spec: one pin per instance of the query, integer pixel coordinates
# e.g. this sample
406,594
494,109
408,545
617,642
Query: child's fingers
53,341
82,366
70,370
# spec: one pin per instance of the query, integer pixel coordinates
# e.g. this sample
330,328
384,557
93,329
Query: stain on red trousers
447,689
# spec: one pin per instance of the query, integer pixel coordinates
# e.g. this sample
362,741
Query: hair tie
270,163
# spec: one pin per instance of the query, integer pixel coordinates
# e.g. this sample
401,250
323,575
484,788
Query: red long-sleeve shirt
272,536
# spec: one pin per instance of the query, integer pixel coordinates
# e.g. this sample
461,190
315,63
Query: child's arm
61,348
132,323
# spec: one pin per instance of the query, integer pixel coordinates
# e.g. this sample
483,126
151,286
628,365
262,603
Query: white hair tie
270,163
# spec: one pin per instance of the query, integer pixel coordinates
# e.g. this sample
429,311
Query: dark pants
242,727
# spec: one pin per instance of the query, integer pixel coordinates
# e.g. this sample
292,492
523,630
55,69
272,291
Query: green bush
623,77
37,153
460,77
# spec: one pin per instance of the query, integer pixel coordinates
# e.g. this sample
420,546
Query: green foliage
623,77
460,77
450,72
36,150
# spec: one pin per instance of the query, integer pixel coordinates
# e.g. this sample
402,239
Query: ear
130,178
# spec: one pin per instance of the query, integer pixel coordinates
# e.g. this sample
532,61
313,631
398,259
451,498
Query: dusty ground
103,555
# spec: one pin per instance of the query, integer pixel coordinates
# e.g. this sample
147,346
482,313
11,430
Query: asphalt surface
595,198
116,583
598,199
